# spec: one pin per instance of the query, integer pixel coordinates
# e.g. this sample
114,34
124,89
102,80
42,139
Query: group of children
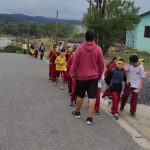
133,77
115,74
60,64
33,49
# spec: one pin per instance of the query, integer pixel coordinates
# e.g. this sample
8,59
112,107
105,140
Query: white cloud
143,4
69,9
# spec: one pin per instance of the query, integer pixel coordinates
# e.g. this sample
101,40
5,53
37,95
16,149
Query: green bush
11,49
46,56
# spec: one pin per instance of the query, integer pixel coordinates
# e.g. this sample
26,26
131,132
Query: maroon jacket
109,69
88,62
53,57
69,62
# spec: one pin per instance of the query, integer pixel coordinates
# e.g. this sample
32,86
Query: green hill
36,19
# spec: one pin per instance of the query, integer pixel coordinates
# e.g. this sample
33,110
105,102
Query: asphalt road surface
34,115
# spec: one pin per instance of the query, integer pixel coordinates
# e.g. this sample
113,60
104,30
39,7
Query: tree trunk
104,7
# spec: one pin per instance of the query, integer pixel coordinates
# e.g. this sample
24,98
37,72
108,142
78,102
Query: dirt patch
4,42
147,74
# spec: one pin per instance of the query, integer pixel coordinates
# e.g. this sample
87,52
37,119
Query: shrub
11,49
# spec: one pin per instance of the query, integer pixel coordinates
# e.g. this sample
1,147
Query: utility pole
56,33
90,5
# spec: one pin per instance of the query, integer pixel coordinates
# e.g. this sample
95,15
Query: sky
68,9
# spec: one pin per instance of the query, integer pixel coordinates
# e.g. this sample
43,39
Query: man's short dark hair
133,58
89,36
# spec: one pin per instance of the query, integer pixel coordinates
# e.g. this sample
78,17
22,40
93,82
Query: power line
56,33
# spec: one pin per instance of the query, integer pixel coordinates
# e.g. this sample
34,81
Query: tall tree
110,19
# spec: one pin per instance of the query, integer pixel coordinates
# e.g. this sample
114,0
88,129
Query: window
147,32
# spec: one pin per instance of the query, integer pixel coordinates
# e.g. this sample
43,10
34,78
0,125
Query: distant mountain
37,19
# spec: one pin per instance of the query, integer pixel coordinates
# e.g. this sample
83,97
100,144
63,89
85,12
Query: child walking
66,77
61,66
116,78
53,73
52,51
42,49
109,67
71,82
69,64
134,84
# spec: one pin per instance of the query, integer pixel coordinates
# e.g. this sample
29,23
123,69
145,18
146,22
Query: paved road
36,116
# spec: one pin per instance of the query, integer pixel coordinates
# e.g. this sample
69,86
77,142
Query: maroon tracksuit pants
107,92
50,71
115,102
73,97
97,105
134,98
36,54
69,84
53,72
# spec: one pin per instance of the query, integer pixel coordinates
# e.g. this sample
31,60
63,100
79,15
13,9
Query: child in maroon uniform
50,54
69,64
68,54
135,80
53,66
110,66
115,79
71,81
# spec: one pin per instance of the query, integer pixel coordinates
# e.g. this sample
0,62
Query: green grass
125,55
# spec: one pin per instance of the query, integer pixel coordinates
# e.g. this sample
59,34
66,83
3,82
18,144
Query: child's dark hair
59,43
114,58
54,46
69,47
62,50
133,58
89,36
75,47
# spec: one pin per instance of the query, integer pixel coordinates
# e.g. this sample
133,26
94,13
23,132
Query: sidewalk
138,127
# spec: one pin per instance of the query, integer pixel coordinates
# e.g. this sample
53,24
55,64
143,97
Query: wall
142,43
135,39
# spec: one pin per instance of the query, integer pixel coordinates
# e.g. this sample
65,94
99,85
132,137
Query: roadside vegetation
11,49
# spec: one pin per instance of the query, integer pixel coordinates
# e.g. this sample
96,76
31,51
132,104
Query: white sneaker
89,121
116,116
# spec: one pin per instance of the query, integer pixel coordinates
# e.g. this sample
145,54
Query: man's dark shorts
90,86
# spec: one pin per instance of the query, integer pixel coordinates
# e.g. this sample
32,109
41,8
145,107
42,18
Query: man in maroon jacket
88,67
